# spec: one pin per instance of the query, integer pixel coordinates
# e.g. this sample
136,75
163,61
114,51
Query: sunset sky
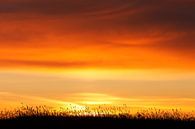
135,52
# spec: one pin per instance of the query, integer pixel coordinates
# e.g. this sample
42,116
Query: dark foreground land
93,123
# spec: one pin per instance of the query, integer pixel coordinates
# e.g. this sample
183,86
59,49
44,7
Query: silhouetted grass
112,117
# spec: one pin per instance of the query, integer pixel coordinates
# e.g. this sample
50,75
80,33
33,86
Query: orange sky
116,48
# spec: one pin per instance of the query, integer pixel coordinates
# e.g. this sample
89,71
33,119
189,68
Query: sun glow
96,99
96,102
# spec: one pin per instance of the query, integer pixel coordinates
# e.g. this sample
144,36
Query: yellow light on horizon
96,102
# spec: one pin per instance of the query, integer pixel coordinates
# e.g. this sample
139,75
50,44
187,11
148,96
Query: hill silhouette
43,118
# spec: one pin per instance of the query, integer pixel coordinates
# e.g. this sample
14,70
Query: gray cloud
111,17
